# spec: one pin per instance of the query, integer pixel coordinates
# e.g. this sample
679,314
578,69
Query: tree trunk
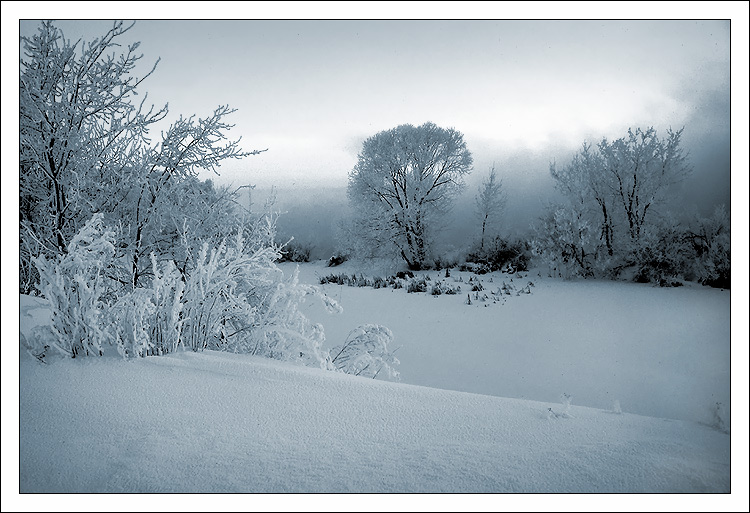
607,230
484,225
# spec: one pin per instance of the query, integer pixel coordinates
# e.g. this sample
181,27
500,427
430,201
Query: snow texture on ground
479,408
661,352
217,422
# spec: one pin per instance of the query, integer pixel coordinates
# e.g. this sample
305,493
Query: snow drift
218,422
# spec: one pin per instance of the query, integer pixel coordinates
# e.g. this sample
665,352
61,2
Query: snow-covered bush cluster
710,240
564,240
353,280
666,253
294,251
441,287
499,254
613,223
482,291
231,297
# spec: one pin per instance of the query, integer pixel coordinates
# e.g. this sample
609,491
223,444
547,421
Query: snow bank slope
216,422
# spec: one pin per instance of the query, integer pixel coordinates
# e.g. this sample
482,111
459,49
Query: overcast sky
311,91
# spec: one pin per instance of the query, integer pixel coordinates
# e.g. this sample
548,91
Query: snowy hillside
217,422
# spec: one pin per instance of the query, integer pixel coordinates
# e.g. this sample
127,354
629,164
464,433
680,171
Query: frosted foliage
75,284
618,188
238,300
80,135
232,298
712,242
490,202
403,185
148,321
660,252
365,352
85,148
564,240
132,314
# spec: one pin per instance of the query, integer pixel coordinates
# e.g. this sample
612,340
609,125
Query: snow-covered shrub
167,289
281,331
501,254
360,281
236,299
660,255
132,315
294,251
565,400
337,259
565,240
417,285
148,320
711,242
78,290
353,280
441,287
337,279
365,353
216,292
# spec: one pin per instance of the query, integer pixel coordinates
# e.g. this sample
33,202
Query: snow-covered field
645,368
661,352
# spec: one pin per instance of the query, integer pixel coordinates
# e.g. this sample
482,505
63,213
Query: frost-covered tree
166,195
490,202
85,149
640,169
585,184
404,182
80,133
617,188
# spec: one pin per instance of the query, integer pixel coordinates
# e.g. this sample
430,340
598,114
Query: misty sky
311,91
524,93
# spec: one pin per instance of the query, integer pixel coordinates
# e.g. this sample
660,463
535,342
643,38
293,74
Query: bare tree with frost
490,202
80,134
404,182
615,190
85,148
